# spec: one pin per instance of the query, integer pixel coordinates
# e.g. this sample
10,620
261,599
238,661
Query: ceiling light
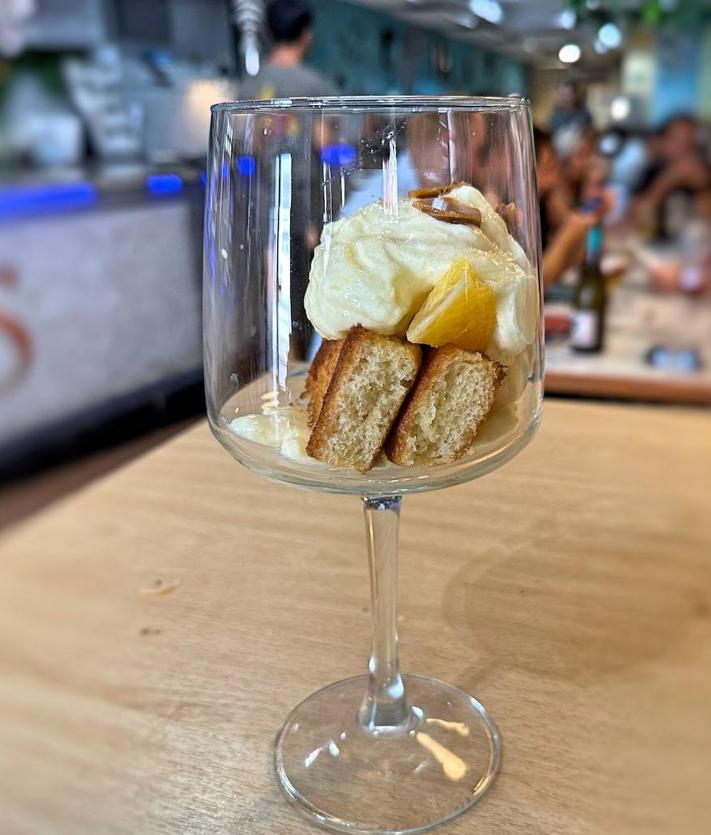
489,10
600,47
610,35
566,19
620,108
570,53
251,59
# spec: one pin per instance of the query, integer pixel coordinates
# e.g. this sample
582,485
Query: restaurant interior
520,206
104,119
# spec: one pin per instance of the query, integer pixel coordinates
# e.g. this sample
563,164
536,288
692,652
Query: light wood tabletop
156,627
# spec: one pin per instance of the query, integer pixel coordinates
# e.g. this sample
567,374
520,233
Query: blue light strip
246,166
164,183
342,154
19,201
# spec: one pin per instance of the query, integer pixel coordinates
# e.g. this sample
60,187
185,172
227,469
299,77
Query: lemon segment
460,310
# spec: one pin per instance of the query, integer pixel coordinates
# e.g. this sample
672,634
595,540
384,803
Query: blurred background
104,118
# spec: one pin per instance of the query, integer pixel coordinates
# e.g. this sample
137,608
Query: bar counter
156,627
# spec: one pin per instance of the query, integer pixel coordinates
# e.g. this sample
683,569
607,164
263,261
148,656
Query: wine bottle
587,332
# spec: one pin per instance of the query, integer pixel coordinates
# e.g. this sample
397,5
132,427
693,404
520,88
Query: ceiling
529,30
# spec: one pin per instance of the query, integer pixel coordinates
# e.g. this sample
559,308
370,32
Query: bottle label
583,329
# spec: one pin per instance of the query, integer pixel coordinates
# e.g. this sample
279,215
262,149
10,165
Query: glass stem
384,706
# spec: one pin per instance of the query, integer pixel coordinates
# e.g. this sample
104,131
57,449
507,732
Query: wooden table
570,591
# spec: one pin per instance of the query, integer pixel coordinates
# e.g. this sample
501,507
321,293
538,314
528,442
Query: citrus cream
375,269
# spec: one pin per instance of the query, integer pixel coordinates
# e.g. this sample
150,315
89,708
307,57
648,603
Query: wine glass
287,180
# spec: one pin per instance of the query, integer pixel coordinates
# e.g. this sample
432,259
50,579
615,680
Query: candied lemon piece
460,310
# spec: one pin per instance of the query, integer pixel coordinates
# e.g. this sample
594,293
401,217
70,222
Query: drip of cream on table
376,270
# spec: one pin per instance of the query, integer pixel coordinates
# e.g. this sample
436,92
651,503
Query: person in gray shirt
284,75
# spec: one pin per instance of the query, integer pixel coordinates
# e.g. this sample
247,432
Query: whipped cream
492,224
376,269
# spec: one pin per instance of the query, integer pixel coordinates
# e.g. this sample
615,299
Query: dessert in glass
372,326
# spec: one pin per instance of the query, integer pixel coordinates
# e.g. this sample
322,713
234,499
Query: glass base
389,781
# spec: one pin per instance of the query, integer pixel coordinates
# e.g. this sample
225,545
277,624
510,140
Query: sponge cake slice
452,396
320,372
372,376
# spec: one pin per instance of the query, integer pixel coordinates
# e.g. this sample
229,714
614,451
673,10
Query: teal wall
367,52
678,81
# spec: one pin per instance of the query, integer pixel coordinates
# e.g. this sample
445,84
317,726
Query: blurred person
595,184
552,195
284,74
630,158
653,160
577,165
665,201
587,178
567,247
570,120
689,269
564,228
627,152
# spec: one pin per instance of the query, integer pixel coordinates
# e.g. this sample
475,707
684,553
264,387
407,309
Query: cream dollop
375,270
492,224
283,428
